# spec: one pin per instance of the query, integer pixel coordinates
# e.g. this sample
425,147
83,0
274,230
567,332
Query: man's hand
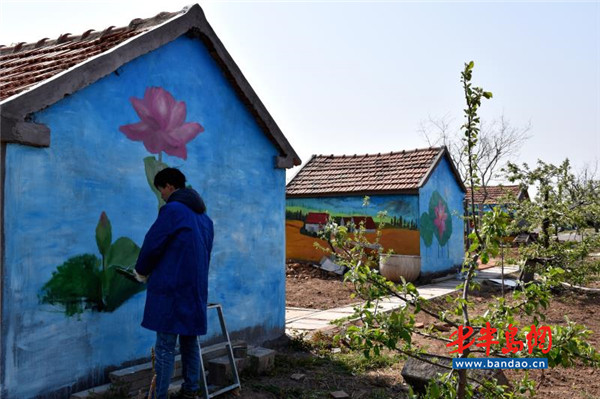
139,277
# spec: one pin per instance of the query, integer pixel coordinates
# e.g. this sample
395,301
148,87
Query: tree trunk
462,383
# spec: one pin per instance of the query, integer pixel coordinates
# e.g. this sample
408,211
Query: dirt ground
575,383
312,288
309,287
304,375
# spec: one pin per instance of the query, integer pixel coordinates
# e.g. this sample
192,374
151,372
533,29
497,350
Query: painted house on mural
355,222
315,221
420,191
86,123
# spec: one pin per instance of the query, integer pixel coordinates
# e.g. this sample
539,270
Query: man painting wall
175,259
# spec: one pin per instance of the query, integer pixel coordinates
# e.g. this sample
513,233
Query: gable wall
442,238
54,198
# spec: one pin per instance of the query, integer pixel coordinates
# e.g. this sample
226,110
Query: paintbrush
127,273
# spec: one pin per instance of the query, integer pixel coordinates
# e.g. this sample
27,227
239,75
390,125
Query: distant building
420,191
489,197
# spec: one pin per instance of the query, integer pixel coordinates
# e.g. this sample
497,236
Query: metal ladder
236,379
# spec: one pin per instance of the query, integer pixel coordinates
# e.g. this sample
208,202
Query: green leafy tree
563,202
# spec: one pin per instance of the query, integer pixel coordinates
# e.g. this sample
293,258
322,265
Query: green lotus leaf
75,285
152,167
426,229
124,253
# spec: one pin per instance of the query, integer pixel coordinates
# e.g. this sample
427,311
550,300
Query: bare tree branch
499,141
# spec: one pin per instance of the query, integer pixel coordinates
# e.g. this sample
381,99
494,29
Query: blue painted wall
442,184
54,197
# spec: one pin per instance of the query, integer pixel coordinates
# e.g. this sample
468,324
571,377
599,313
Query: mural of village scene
306,217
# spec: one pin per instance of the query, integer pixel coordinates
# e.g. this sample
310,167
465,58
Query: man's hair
169,176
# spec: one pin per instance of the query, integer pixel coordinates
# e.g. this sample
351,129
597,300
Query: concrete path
301,320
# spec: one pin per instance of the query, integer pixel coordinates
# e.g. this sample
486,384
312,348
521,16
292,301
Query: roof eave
89,71
411,191
14,110
443,153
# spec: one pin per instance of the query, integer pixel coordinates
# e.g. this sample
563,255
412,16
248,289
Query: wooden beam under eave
25,133
286,162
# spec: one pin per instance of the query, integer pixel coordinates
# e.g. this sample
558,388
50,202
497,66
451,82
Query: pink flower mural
89,282
162,126
440,218
437,222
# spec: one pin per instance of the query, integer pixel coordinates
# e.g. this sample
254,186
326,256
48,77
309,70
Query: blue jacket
176,255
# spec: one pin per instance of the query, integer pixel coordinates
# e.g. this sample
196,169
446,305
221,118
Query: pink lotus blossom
162,126
440,218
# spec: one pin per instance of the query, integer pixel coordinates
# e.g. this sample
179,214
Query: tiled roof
391,172
25,65
316,218
35,76
495,194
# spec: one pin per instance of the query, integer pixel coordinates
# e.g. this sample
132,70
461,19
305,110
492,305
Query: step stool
236,379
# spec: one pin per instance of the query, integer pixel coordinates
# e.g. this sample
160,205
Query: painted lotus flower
436,222
440,218
162,126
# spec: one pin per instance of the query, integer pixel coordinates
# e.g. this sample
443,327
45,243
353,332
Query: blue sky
359,77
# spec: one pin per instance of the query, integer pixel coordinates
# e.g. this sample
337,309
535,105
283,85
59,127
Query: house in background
87,121
488,197
420,191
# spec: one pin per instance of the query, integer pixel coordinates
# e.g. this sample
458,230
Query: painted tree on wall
437,222
88,282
